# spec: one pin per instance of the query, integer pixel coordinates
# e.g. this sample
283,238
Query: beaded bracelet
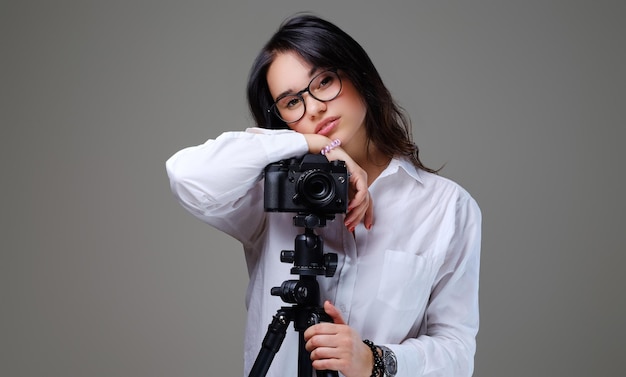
378,369
334,144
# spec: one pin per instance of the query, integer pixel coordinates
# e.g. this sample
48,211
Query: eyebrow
287,92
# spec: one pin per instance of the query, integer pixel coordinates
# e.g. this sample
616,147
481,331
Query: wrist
333,144
316,142
385,362
378,368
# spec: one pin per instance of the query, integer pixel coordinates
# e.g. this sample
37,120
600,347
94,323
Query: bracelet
334,144
378,369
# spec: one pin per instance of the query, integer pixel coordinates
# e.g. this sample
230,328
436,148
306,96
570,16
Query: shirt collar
401,163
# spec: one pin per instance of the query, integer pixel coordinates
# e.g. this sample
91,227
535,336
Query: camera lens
316,188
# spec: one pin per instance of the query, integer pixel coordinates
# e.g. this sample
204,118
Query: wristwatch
390,361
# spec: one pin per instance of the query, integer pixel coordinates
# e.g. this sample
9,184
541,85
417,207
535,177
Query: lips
326,126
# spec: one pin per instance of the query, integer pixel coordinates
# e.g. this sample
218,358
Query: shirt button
342,308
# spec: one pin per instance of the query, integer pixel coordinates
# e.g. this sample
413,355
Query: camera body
311,184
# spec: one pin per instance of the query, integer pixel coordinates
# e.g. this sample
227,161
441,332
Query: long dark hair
322,44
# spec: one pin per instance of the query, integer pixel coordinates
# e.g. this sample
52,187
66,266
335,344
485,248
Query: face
340,118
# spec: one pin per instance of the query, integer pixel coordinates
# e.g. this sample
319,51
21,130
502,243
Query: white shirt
410,283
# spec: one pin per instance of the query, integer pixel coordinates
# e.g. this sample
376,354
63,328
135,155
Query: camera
311,184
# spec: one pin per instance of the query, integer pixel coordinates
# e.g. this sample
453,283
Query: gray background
102,273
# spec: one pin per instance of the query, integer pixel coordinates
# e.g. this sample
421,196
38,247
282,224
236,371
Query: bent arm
217,181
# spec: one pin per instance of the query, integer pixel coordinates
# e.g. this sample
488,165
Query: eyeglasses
324,87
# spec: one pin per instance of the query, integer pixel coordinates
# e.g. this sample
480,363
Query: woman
404,298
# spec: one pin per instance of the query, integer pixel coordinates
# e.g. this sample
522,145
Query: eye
324,81
289,102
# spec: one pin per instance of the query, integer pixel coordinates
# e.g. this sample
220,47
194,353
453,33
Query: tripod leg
304,359
274,337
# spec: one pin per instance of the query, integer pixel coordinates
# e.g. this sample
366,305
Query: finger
319,341
358,203
326,364
358,213
334,313
355,216
309,333
322,328
369,215
358,200
360,194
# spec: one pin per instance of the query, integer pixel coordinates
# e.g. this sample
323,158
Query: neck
370,159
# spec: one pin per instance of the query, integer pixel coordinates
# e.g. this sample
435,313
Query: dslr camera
311,184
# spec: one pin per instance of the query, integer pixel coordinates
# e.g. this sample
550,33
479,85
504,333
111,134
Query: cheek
358,110
356,103
298,127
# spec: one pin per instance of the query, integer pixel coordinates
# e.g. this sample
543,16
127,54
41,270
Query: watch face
391,364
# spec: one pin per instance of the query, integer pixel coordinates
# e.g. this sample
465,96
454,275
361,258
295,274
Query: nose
313,106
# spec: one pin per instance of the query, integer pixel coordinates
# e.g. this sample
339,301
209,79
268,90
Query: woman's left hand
336,346
360,207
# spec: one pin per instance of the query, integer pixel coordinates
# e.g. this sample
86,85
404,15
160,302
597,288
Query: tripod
309,261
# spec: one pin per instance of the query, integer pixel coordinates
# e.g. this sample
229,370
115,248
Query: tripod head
309,260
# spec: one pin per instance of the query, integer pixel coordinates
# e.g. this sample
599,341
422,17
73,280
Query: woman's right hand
360,206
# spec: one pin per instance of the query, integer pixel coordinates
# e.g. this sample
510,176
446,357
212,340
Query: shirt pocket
405,281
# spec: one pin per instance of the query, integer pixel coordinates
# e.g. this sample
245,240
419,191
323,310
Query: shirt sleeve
218,181
448,344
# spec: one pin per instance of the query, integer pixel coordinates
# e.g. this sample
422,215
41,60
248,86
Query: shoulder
446,187
427,180
436,190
